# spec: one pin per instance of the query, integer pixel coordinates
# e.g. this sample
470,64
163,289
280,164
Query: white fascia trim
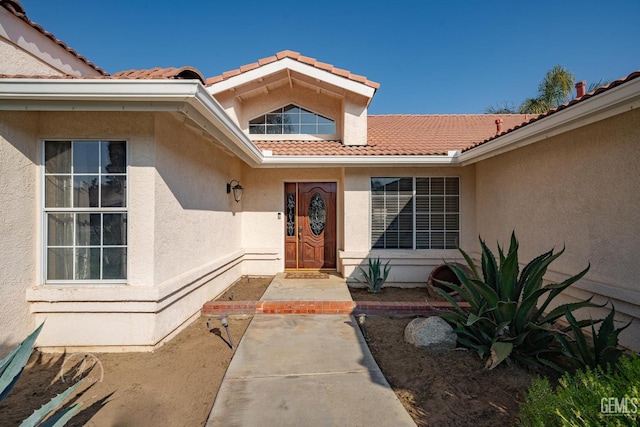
615,101
185,96
358,161
292,64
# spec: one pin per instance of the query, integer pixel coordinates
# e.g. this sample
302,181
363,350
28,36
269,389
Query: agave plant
505,320
601,350
375,277
10,369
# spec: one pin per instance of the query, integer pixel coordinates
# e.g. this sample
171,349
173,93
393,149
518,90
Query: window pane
452,186
291,129
114,263
437,204
405,222
422,240
377,239
88,229
87,263
60,229
292,109
86,157
292,119
257,129
85,191
405,241
114,191
114,156
422,186
437,222
258,120
422,204
451,240
326,129
324,121
274,119
452,222
437,240
451,204
308,129
115,229
60,264
57,191
57,156
422,221
274,129
437,186
307,118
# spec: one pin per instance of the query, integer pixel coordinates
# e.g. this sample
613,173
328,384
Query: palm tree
553,91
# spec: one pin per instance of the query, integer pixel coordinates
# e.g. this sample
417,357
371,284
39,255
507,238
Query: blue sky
430,57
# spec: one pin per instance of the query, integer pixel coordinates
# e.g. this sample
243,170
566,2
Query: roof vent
581,88
499,126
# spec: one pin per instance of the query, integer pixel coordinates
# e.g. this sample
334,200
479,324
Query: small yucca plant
10,369
375,277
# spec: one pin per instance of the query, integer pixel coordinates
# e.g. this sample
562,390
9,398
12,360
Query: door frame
292,256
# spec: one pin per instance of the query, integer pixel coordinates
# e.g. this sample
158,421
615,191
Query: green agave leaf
560,311
489,266
450,300
15,362
532,273
557,288
506,311
470,264
509,270
499,352
50,406
61,418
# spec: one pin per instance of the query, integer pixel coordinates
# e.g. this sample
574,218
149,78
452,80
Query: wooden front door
310,225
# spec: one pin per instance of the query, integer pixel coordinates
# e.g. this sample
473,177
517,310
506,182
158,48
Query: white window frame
415,212
266,136
101,210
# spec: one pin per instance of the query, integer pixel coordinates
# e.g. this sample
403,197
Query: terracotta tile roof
161,73
632,76
405,135
150,74
16,9
298,57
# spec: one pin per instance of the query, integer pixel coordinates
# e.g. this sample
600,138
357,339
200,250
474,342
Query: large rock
432,333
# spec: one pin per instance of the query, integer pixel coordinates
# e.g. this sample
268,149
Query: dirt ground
177,384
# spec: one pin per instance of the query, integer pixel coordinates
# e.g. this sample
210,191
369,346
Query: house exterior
119,216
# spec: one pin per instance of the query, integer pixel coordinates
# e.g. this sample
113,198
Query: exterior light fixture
224,321
234,185
362,319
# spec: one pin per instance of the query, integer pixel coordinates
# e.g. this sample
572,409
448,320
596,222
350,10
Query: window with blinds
415,212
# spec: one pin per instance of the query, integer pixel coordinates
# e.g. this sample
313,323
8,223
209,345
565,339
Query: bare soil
177,384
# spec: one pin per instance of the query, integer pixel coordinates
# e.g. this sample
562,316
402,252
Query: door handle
299,232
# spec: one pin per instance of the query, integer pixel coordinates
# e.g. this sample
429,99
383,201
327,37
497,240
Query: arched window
292,120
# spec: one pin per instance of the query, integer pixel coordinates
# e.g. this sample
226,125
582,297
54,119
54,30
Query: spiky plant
505,320
10,369
375,277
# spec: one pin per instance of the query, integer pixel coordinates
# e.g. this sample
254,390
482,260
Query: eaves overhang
614,101
359,161
293,65
187,97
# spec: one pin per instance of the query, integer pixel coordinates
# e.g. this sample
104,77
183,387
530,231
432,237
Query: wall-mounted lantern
235,186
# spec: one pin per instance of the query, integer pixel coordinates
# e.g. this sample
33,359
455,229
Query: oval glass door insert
317,214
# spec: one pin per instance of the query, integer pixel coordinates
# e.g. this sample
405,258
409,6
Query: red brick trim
216,308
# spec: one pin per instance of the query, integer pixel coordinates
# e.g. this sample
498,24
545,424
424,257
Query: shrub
375,277
504,320
11,368
587,397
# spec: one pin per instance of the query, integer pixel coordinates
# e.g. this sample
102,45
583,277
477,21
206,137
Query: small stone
432,333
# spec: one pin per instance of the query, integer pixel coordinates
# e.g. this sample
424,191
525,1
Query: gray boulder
432,333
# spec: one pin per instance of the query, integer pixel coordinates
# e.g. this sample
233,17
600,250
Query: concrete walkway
305,370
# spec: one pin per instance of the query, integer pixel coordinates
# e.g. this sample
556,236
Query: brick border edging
216,308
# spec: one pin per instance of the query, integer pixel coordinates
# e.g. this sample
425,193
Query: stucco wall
196,221
578,190
19,224
14,60
183,236
408,266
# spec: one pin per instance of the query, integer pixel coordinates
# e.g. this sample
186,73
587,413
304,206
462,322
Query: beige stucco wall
14,60
184,237
578,190
407,266
19,224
